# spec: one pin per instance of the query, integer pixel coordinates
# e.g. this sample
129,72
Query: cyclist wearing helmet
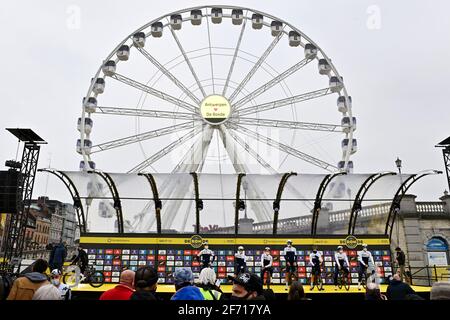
55,277
315,260
364,258
290,255
266,265
340,262
206,256
240,260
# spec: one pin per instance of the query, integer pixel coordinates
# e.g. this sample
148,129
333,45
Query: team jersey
266,260
341,259
206,255
241,258
290,254
66,293
366,257
315,258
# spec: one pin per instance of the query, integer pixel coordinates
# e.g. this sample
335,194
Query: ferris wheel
211,87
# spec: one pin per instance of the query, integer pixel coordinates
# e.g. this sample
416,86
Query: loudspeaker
8,190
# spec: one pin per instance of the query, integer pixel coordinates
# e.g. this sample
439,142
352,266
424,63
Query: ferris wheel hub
215,109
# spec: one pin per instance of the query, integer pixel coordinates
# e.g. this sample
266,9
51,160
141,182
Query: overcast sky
394,56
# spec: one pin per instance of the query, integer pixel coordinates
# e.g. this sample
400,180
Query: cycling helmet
240,248
364,245
267,248
340,247
289,242
56,272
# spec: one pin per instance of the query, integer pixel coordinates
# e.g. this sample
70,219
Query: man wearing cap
55,277
266,266
240,260
183,279
123,290
247,286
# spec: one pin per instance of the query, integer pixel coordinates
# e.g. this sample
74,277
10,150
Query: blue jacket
188,293
58,255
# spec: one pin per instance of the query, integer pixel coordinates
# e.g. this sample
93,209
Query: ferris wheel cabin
310,51
216,15
176,21
90,105
109,68
139,39
237,16
196,17
257,21
157,29
123,53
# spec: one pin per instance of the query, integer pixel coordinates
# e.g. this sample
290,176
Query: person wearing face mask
240,260
340,263
315,260
145,283
55,277
364,258
206,256
266,266
290,255
247,286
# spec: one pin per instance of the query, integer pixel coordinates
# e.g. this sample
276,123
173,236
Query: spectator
247,286
66,293
373,292
57,257
24,287
269,294
296,292
123,290
184,284
145,282
397,290
440,291
80,259
400,259
47,292
208,286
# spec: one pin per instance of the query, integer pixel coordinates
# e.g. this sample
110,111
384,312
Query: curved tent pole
198,203
74,193
276,203
318,201
238,199
157,201
117,203
357,204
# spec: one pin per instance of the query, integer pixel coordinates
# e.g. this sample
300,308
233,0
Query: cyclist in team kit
290,255
240,260
340,263
364,258
206,256
266,266
315,261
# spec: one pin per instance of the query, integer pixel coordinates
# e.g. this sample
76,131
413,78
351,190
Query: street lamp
398,164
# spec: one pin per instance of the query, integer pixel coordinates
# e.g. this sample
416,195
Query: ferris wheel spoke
147,113
288,124
168,74
154,92
256,67
252,152
163,152
283,102
236,51
210,53
272,83
143,136
285,148
188,62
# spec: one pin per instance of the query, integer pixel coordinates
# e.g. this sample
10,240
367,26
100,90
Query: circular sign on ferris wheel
215,109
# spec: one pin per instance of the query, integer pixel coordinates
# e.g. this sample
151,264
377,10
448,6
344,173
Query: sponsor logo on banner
196,241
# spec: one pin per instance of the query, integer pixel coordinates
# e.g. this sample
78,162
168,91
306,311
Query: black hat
250,281
398,249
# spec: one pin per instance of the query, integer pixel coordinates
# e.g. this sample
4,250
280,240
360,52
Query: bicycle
93,277
344,280
318,281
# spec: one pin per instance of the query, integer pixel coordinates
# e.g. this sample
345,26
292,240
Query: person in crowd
24,287
400,259
373,292
64,290
340,263
397,289
315,261
364,258
296,292
290,255
145,283
269,294
47,292
207,285
240,261
184,285
80,259
123,290
57,256
247,286
266,266
440,291
206,256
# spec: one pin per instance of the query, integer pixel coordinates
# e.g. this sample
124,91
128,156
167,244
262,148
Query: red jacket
119,292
